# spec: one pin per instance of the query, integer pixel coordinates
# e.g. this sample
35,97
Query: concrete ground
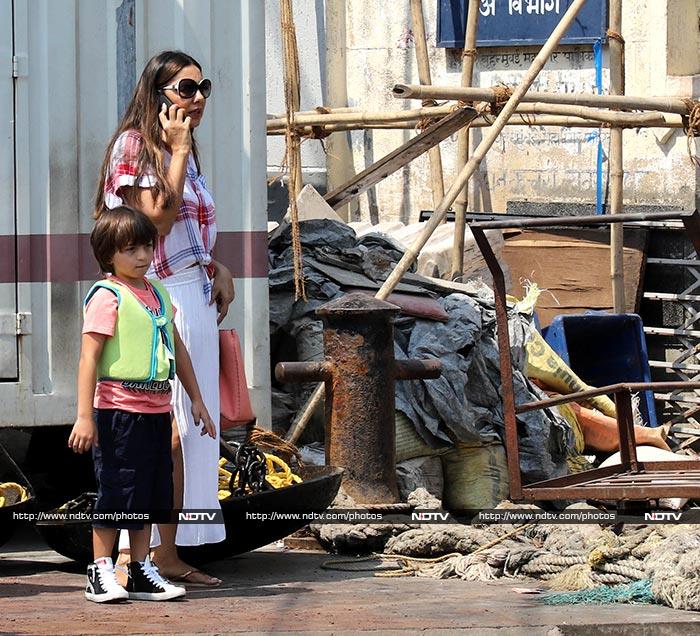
273,590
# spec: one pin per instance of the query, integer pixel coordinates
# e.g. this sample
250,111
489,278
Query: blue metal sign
520,22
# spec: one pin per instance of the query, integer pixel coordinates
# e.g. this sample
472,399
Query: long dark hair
142,115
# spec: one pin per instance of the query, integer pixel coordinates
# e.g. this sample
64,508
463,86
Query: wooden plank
573,266
400,157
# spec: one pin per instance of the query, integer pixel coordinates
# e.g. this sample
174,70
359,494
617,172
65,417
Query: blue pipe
598,57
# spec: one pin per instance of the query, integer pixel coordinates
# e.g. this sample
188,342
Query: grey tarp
465,402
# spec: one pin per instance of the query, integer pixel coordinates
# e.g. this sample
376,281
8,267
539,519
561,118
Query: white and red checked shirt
193,234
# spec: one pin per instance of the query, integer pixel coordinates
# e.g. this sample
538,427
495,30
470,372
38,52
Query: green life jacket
142,348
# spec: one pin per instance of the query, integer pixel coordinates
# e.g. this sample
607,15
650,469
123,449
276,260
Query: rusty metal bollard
359,371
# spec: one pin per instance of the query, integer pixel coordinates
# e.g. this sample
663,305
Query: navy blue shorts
133,466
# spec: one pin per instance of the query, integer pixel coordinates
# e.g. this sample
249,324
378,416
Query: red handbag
236,409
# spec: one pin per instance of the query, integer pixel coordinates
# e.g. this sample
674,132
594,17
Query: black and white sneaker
102,586
146,583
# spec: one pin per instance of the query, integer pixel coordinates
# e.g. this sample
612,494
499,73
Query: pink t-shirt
135,397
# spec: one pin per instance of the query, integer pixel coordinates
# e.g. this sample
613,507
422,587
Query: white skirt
195,320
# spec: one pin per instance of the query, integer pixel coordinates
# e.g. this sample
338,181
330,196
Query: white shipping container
74,64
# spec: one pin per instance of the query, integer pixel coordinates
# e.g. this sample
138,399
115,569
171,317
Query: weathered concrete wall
527,163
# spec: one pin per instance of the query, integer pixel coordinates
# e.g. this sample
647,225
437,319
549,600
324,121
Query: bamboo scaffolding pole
516,120
462,202
365,117
434,157
339,160
319,110
617,87
436,112
489,138
664,104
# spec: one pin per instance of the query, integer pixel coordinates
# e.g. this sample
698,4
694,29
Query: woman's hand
200,414
222,291
176,129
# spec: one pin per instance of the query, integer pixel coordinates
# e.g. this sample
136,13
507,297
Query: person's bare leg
103,542
120,567
165,555
139,540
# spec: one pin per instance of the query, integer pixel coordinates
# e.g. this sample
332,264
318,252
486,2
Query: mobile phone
163,99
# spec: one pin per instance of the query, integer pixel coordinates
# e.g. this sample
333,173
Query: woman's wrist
181,151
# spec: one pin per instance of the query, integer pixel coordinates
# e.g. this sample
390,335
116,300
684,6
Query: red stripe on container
244,253
7,258
65,258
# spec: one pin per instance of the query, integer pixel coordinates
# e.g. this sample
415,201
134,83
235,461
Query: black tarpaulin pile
464,404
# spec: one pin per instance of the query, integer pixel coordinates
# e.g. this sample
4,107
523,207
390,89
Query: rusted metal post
360,374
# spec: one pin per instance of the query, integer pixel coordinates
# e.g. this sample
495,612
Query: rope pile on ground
662,561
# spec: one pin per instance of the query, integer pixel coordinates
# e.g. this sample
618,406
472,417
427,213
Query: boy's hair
117,229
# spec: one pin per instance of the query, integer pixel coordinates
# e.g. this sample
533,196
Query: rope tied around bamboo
502,94
614,35
292,138
691,125
469,53
427,121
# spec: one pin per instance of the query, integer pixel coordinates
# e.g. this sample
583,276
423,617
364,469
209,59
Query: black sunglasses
187,88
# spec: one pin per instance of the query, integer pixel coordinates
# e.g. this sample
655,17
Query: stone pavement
277,591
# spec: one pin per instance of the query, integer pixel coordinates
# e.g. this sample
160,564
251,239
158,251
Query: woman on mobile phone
152,164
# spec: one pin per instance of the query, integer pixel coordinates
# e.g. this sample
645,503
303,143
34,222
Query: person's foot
179,571
196,578
101,585
121,568
147,584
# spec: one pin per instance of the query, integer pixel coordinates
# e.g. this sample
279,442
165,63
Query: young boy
129,353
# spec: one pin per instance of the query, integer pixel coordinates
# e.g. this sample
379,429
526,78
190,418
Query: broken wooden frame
630,480
400,157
